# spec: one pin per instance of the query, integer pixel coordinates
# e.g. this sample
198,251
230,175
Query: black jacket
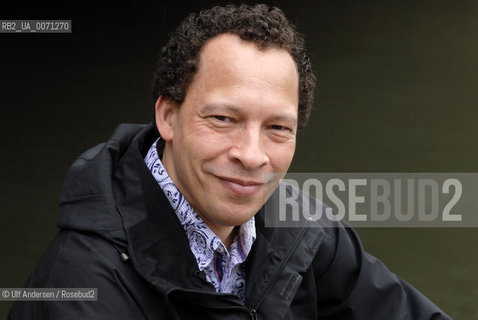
111,205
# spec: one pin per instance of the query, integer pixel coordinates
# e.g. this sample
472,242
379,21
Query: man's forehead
228,58
227,47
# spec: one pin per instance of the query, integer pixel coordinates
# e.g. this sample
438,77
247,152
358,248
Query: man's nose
249,149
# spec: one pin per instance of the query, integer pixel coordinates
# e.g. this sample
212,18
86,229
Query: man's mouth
241,187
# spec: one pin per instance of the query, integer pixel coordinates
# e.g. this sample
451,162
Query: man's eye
222,118
279,127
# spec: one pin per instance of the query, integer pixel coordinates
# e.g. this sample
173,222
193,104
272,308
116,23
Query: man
167,219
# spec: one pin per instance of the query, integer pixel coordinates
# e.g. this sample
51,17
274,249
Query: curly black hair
266,26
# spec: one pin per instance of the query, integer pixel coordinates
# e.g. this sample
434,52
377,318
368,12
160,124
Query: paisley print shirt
221,266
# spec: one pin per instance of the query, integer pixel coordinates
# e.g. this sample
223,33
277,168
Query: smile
241,187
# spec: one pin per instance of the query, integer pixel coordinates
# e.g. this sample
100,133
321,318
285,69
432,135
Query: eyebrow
285,117
221,106
231,108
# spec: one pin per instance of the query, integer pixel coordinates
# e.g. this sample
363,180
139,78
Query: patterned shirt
221,266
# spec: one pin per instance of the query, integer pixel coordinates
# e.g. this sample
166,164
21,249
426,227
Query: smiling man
166,220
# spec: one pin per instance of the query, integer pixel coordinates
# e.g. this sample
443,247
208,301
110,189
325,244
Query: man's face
233,137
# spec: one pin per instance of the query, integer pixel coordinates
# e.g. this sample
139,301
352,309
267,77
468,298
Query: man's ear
164,114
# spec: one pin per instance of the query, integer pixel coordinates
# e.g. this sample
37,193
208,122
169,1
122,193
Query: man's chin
236,216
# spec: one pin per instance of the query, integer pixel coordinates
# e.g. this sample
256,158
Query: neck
226,234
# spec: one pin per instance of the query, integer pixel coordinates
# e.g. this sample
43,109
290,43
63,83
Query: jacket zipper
253,314
253,311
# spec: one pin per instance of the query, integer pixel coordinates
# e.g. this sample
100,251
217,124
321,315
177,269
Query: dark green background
397,91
